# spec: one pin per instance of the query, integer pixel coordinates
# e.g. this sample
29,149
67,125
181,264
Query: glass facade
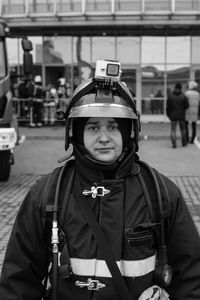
151,65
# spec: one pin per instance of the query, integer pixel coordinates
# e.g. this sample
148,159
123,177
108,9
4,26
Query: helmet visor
103,105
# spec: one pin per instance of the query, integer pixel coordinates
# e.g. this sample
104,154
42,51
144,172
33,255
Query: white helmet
62,81
38,79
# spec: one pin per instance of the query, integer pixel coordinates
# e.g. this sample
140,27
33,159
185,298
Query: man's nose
104,135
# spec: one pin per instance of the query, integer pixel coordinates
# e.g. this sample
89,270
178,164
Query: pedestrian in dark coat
106,176
177,103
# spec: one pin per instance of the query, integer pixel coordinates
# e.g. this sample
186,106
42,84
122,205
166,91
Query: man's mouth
104,149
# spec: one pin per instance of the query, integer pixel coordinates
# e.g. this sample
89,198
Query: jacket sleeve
183,250
26,261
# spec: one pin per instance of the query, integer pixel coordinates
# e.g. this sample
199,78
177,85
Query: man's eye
92,128
114,127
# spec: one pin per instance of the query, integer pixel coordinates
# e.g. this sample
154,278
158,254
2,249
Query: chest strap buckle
91,284
96,191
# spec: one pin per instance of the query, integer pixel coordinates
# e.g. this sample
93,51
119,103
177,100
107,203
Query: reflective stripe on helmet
128,268
102,110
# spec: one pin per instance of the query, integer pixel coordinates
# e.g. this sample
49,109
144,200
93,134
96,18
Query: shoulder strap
49,198
49,194
50,190
155,190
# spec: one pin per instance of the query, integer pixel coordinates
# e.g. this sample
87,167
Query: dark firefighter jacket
120,215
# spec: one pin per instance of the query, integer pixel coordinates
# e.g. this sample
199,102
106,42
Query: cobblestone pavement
13,192
11,195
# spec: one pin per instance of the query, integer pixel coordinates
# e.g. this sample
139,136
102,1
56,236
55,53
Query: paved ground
39,154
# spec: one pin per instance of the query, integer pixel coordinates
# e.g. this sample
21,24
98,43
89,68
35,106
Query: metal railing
22,108
52,8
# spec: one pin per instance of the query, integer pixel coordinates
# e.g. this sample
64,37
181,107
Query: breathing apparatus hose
163,271
55,238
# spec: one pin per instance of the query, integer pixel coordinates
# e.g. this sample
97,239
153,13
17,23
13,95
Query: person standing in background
50,104
177,103
36,92
192,112
63,98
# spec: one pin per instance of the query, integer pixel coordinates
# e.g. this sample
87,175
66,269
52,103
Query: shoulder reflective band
128,268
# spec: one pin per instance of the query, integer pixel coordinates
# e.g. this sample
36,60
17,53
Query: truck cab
8,135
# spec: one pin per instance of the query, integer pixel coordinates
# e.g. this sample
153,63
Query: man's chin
105,158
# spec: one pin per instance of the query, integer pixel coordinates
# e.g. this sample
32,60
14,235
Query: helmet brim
102,110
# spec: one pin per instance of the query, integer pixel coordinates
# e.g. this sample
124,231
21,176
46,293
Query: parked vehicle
8,134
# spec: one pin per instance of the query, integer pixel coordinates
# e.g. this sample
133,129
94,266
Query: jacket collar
90,170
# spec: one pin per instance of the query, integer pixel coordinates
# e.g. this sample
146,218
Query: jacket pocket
142,235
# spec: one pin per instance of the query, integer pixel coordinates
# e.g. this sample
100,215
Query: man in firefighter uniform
102,124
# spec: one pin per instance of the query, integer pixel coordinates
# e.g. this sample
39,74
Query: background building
157,42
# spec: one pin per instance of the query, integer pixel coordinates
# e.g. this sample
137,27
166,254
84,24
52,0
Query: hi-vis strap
128,268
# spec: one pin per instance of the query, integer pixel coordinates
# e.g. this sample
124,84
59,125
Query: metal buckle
91,284
96,191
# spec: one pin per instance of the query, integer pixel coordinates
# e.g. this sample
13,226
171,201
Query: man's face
103,139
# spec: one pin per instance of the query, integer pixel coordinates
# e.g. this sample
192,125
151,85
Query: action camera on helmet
108,69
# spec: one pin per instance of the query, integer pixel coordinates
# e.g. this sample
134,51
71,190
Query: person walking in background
177,103
192,112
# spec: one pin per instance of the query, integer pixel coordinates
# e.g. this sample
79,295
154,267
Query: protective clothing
124,219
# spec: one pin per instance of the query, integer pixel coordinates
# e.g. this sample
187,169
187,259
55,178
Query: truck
8,135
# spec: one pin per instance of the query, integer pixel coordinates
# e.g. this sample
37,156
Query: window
128,50
195,56
153,50
103,47
178,49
